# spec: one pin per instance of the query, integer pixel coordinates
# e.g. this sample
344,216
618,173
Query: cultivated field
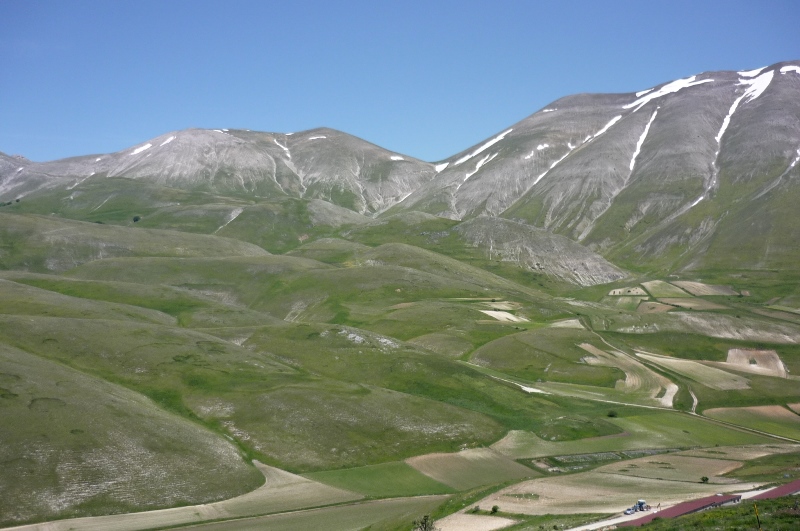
382,481
700,373
656,429
766,362
692,304
659,289
470,468
597,492
627,292
473,522
653,307
699,289
771,419
640,380
674,468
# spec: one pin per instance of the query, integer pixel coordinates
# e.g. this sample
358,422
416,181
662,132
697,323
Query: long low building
681,509
784,490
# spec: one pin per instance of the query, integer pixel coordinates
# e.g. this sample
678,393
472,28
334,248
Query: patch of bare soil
766,360
473,522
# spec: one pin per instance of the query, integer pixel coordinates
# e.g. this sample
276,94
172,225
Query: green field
145,365
386,480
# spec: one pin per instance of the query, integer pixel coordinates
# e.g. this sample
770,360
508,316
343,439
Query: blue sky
426,79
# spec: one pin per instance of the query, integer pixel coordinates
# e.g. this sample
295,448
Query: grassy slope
74,445
364,370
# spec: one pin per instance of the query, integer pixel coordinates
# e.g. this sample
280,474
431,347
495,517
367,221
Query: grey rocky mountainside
677,175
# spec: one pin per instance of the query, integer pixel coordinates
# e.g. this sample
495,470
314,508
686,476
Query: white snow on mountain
483,148
396,157
140,149
165,142
790,68
751,73
284,148
641,139
440,167
317,137
669,88
607,126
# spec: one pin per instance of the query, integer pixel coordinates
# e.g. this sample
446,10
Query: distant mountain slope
657,178
317,164
638,176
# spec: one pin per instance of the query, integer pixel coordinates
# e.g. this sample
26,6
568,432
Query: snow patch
440,167
284,148
643,92
483,148
751,73
790,68
538,148
757,87
140,149
316,138
549,110
396,157
641,139
96,160
669,88
165,142
553,165
20,169
608,126
484,160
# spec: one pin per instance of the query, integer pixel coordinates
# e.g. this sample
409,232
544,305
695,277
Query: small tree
495,508
425,524
704,479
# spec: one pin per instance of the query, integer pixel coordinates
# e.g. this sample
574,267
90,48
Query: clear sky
423,78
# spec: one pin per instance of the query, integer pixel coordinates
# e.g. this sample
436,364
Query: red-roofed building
681,509
777,492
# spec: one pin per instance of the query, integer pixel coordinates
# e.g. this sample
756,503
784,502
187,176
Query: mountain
670,176
638,176
320,163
